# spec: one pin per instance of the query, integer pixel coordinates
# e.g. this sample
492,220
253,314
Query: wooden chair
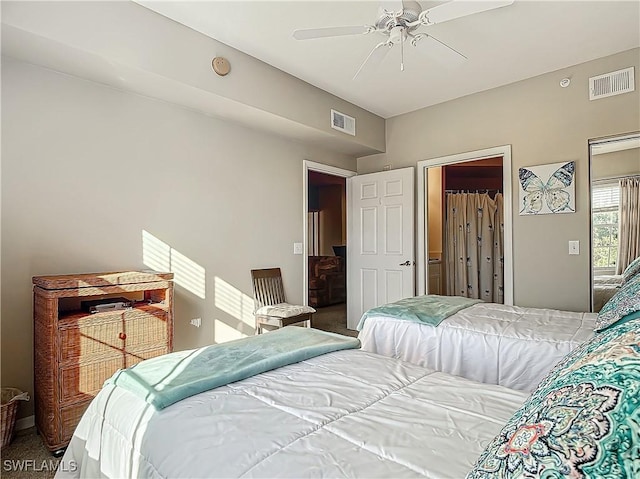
268,290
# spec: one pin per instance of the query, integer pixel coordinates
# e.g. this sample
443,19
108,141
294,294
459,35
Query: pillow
284,310
583,420
632,270
624,302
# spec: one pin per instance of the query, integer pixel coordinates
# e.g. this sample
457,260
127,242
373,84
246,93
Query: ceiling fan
399,21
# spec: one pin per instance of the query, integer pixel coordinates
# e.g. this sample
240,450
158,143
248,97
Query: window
605,201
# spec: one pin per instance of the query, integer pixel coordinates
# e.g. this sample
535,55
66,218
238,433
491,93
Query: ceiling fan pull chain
402,54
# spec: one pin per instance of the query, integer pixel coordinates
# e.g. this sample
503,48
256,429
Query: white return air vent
614,83
343,123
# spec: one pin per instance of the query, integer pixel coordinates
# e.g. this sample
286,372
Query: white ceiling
503,46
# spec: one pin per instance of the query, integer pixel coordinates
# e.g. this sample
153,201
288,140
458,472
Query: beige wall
544,123
434,211
131,47
86,169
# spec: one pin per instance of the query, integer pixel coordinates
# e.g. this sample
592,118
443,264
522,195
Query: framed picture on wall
547,189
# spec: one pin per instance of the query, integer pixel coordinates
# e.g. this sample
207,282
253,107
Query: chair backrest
267,287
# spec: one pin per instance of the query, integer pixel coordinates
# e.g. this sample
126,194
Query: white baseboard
25,422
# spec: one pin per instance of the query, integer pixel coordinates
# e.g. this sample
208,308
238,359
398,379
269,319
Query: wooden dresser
75,350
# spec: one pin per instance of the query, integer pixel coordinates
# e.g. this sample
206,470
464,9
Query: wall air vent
343,123
610,84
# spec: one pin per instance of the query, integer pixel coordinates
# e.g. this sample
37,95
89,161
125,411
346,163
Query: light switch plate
297,248
574,247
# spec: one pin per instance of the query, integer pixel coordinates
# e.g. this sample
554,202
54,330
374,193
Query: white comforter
343,414
613,279
487,342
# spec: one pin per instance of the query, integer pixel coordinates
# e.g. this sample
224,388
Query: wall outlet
386,167
197,322
297,248
574,247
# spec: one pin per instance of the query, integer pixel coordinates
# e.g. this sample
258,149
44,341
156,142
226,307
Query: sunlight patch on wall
158,255
188,273
233,302
223,333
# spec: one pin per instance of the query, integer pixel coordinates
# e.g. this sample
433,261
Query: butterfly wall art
547,189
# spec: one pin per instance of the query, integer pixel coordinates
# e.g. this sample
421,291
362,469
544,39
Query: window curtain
474,251
629,217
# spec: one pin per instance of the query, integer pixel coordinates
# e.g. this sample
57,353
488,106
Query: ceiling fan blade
330,32
374,58
438,51
459,8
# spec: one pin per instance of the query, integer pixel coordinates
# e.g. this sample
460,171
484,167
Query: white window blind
605,196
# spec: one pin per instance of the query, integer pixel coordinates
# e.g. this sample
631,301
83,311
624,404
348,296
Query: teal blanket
167,379
431,309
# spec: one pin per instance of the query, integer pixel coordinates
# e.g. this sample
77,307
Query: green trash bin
9,408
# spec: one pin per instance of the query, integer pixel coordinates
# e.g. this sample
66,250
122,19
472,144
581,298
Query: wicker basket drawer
135,356
70,417
83,380
103,334
146,328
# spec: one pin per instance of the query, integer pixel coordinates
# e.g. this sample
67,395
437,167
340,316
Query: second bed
487,342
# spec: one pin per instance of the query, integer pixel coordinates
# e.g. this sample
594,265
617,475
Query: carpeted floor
27,458
334,319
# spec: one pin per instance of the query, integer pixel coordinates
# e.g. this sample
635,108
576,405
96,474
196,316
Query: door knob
406,263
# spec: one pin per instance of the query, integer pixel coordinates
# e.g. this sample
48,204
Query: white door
380,250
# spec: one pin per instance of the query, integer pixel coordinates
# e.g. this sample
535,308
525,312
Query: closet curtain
474,251
629,218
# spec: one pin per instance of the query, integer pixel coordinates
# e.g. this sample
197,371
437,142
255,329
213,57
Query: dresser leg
58,452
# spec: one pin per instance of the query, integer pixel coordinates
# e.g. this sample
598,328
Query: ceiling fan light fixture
397,35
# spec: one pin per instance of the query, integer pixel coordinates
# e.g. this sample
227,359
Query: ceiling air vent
609,84
343,123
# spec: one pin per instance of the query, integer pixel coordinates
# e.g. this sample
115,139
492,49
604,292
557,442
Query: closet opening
465,215
484,178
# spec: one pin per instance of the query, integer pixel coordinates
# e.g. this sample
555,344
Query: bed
604,287
486,342
389,419
350,413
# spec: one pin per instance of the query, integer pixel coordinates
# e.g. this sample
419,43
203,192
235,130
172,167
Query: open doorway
325,246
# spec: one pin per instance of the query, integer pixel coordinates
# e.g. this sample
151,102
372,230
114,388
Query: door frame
307,166
422,232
